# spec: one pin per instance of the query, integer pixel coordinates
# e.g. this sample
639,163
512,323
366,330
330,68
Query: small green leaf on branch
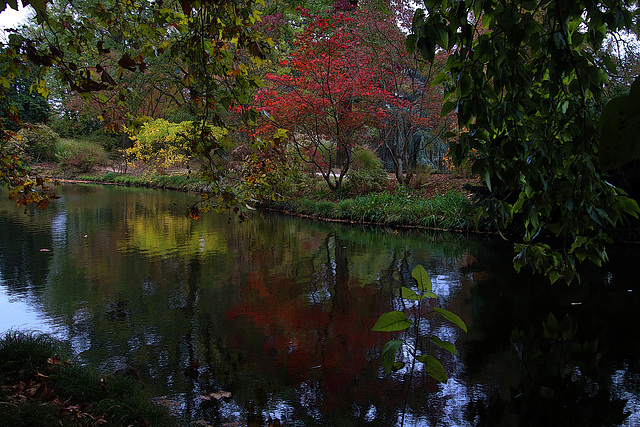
391,322
452,317
445,345
389,354
433,367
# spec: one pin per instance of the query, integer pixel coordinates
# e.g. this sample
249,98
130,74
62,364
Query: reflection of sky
17,313
59,228
624,380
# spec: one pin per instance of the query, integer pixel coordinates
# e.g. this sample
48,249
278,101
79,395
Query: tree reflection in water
277,312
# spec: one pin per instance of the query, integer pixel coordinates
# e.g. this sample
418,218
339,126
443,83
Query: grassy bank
171,182
451,211
40,386
369,194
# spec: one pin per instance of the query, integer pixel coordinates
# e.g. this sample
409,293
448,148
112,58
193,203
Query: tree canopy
524,80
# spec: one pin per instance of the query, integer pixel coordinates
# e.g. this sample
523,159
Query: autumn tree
329,98
413,123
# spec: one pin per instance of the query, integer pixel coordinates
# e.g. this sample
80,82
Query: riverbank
442,202
41,386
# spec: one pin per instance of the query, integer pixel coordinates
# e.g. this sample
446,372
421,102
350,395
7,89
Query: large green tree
523,78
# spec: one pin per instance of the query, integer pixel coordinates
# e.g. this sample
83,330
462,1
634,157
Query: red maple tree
328,97
348,81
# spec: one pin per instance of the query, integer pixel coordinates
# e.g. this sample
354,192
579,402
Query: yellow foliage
160,144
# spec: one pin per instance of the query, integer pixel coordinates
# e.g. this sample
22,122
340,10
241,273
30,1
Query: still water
276,312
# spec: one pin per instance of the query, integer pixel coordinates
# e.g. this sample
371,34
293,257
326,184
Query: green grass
399,208
41,389
24,352
173,182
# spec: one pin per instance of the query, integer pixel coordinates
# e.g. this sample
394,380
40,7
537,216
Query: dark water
277,312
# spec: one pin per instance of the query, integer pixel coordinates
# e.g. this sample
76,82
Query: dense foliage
36,143
523,79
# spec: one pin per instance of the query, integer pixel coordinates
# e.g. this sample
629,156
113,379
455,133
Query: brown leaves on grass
440,184
39,388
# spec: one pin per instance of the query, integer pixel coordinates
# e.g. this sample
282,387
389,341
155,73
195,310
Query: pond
274,315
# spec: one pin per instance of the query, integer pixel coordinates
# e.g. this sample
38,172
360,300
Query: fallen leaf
54,360
216,395
33,390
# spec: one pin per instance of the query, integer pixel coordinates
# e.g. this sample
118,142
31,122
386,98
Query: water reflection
277,311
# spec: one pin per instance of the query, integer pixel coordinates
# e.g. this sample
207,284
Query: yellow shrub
160,144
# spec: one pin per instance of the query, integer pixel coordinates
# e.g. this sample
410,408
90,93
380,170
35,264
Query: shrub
366,174
76,156
110,141
160,144
422,175
38,142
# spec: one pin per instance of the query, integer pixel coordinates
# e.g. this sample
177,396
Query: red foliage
331,339
330,91
348,74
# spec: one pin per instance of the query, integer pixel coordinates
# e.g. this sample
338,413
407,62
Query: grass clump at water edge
39,386
451,211
172,182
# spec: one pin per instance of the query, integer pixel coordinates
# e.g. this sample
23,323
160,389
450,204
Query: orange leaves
56,360
29,390
24,190
193,212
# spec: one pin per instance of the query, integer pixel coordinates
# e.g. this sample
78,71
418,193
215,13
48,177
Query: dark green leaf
619,129
452,317
391,322
445,345
410,294
389,354
433,367
448,107
422,278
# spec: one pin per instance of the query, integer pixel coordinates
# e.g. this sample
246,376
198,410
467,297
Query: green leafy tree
15,71
523,78
21,104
